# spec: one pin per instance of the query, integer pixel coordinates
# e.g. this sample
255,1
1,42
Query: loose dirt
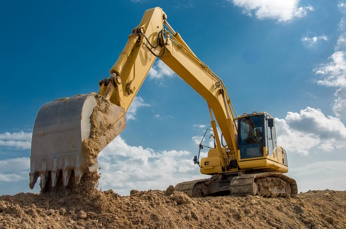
86,207
106,121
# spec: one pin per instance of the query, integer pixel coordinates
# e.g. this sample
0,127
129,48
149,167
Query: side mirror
195,160
270,123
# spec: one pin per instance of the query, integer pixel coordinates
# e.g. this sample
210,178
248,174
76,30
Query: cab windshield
250,136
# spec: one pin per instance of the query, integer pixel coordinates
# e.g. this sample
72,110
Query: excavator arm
153,38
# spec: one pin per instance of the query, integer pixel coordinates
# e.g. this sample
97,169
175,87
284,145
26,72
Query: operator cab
256,135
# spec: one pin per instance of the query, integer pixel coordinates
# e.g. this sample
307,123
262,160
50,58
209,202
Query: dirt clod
298,209
170,190
82,214
133,192
181,198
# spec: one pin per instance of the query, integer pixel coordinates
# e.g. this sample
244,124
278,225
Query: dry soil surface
91,208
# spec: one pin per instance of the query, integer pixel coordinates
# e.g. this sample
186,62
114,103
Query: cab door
270,139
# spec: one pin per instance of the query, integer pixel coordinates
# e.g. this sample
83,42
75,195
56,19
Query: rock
237,216
154,217
62,211
133,192
327,195
91,215
253,202
307,220
298,209
233,209
50,212
32,213
46,205
273,224
194,215
82,214
3,206
330,220
181,198
170,190
279,208
72,211
81,223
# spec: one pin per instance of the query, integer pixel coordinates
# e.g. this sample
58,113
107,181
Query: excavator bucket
68,135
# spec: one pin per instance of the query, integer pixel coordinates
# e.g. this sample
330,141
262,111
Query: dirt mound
91,208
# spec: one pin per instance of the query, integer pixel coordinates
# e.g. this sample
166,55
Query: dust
171,209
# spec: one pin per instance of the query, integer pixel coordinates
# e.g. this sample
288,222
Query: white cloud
294,141
320,175
312,120
200,126
339,105
17,136
16,169
334,72
207,141
313,41
160,70
197,139
18,140
138,102
281,10
126,167
321,167
341,44
310,129
342,7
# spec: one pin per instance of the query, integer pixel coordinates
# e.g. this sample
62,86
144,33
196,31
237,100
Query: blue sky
283,57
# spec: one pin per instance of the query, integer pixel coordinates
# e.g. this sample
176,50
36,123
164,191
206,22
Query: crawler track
267,184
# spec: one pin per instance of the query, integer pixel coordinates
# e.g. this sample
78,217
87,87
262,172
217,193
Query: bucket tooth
54,177
33,180
77,175
44,179
54,174
66,176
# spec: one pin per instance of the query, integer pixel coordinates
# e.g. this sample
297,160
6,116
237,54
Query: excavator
70,132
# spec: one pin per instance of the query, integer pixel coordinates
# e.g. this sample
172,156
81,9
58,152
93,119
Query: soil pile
91,208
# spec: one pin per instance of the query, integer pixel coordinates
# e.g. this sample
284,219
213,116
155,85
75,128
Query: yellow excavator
70,132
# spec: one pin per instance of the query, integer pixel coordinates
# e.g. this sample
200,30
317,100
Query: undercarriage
266,184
